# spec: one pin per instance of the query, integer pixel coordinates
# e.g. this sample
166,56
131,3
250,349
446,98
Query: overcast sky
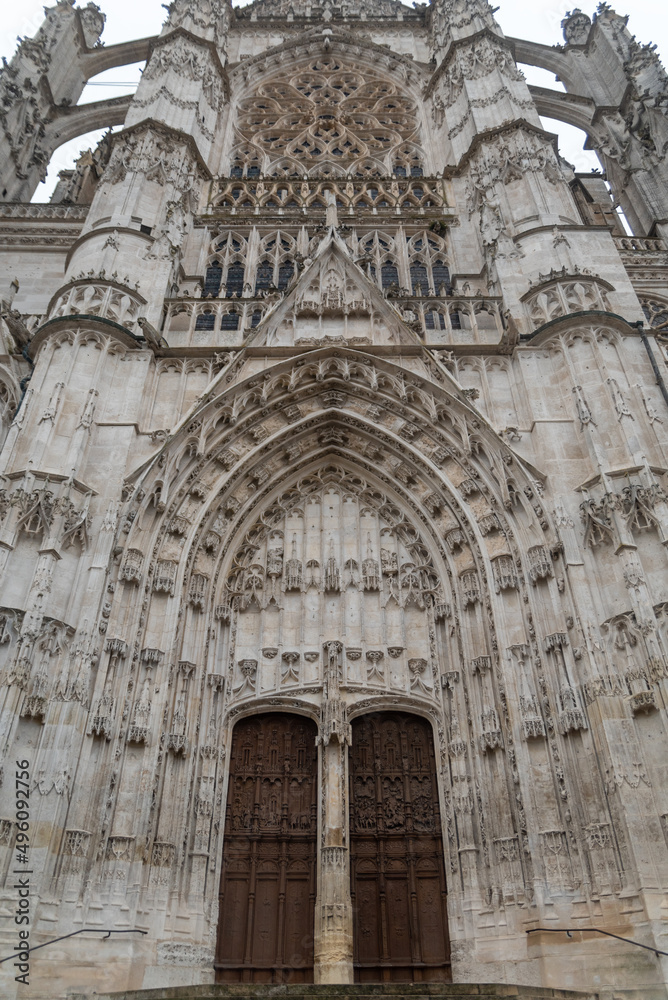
539,20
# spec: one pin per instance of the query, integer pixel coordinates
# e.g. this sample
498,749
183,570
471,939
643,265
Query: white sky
538,20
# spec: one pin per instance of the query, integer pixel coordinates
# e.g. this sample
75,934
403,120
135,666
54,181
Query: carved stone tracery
327,117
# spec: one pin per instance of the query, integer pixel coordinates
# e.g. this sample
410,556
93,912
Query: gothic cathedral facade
334,513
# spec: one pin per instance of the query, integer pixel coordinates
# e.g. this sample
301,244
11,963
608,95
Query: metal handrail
83,930
568,932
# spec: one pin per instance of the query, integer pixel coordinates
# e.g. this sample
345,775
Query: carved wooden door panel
397,866
268,882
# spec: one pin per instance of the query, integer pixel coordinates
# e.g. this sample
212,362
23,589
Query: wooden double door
268,882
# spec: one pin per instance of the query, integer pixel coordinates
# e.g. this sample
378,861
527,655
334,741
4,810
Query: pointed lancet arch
410,443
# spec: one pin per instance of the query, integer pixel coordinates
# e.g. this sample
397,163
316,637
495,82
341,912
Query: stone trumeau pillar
333,913
45,74
629,129
511,187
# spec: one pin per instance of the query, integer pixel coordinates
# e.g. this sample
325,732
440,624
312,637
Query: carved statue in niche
275,556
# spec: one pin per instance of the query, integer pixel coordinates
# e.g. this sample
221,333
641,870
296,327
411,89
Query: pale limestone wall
463,517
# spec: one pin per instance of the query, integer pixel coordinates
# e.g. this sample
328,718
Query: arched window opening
656,313
441,273
419,279
265,277
234,285
206,321
245,163
212,280
230,321
360,126
389,275
435,320
285,273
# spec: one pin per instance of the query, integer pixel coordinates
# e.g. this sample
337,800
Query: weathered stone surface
324,393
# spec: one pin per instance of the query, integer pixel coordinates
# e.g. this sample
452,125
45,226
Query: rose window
326,119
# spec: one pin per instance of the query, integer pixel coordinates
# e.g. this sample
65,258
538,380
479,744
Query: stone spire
159,162
44,76
451,20
629,128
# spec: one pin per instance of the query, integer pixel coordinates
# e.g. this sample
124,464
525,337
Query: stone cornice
123,230
97,280
161,40
459,43
566,323
168,131
481,138
98,323
305,45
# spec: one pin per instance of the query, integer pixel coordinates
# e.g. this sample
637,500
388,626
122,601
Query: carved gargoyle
154,339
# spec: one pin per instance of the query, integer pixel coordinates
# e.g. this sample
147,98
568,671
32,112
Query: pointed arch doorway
268,881
396,852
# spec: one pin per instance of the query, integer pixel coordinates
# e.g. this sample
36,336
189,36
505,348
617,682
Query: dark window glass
417,172
205,321
455,320
389,275
441,276
255,319
236,172
429,321
235,280
214,273
230,321
285,273
265,276
399,171
253,172
419,277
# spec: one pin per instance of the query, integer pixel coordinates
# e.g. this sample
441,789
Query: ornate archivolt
334,531
310,541
404,533
327,115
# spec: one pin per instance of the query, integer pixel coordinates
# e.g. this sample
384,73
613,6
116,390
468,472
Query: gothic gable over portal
333,301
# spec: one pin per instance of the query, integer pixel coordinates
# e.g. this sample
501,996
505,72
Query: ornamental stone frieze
100,295
559,293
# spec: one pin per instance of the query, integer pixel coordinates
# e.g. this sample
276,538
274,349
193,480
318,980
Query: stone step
350,991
